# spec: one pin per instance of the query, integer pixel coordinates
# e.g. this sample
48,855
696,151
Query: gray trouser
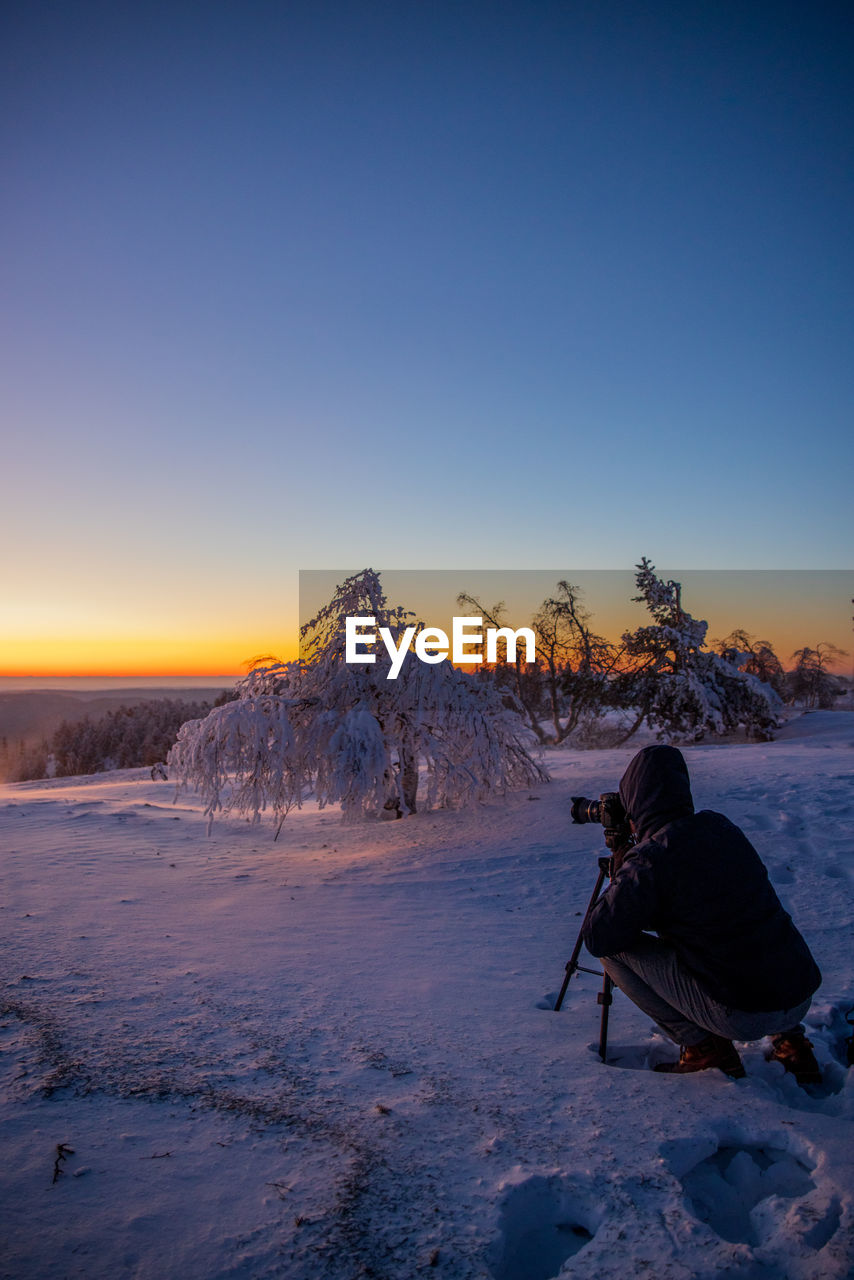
653,979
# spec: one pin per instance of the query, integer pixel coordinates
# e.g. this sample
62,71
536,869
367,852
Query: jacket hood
655,789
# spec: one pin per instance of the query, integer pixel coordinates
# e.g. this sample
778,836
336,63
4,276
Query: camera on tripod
610,812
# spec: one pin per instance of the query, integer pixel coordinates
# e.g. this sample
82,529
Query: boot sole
676,1069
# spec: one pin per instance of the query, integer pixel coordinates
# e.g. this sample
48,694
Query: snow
334,1055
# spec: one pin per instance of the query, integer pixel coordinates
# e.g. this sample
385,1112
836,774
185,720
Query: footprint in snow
749,1194
543,1221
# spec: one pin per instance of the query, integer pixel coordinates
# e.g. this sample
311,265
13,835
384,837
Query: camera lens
584,810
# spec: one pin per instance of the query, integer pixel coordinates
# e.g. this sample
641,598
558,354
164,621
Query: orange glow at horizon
126,656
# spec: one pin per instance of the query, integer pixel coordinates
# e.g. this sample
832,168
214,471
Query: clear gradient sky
292,285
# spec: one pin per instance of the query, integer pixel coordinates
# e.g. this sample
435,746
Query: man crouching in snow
728,963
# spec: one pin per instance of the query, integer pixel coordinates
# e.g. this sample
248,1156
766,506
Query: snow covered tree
679,687
587,658
810,682
755,657
524,682
348,734
569,681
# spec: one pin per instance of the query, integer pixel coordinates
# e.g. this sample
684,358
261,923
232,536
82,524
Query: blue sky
509,285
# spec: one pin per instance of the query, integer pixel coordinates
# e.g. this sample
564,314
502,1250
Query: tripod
605,997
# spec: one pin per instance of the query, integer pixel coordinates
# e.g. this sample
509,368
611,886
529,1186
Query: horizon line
121,675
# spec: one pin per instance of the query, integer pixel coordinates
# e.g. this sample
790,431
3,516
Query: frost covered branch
349,735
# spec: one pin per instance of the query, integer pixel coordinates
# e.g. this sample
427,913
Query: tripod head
619,840
619,837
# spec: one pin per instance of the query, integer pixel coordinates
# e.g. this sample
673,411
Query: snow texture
335,1055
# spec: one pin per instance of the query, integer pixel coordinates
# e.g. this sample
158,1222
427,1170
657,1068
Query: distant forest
128,737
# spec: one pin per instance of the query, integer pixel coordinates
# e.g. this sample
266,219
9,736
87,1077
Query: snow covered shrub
680,688
351,736
810,683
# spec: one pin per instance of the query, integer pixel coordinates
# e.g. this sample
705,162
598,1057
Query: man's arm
625,909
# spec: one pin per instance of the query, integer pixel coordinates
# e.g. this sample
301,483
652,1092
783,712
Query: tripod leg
570,969
605,998
572,962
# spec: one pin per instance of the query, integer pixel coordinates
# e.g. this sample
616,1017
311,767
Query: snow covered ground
334,1055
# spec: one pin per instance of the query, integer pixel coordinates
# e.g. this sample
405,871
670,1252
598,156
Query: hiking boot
714,1051
795,1052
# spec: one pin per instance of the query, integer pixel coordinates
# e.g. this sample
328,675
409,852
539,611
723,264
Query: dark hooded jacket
696,880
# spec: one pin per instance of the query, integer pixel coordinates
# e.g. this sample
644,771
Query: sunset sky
295,285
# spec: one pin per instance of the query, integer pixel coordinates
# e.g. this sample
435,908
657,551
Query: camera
608,810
